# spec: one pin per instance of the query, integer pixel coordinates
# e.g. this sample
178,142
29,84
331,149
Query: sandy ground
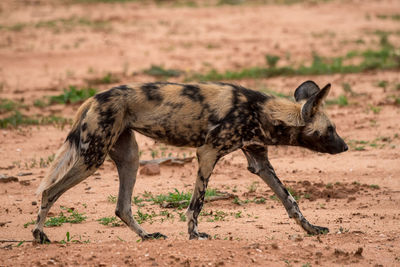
46,46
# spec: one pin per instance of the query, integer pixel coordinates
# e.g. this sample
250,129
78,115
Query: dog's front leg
207,158
257,158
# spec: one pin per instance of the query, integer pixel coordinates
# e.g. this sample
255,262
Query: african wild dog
217,118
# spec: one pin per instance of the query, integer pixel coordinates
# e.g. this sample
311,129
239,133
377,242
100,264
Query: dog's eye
330,129
316,133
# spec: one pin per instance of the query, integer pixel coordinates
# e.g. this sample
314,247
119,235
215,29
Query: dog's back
183,114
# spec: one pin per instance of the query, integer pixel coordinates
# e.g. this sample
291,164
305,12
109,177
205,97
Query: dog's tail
68,155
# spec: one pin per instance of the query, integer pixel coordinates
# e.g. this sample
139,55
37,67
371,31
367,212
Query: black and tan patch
152,92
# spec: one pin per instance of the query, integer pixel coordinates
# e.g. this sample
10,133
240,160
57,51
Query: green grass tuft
101,1
160,72
348,90
341,101
73,95
56,25
293,193
374,186
141,217
382,59
230,2
106,79
112,199
113,221
174,197
32,222
72,239
7,105
177,199
259,200
271,60
391,17
18,119
72,217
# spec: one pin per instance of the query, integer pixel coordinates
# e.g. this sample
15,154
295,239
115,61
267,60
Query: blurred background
72,48
54,54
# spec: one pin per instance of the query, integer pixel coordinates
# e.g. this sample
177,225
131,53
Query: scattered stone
8,167
174,258
150,169
186,263
350,199
7,179
359,252
24,173
274,246
296,238
25,182
170,161
4,223
338,252
7,247
34,203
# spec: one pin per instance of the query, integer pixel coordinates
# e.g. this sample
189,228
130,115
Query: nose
345,147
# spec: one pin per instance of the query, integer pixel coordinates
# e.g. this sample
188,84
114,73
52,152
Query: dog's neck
281,121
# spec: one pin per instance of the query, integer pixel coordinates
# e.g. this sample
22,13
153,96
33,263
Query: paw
199,236
317,230
40,237
154,236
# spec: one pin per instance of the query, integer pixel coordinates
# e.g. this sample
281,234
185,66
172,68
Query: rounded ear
314,103
306,90
323,94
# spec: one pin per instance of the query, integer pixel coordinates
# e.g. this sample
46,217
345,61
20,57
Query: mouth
332,148
343,148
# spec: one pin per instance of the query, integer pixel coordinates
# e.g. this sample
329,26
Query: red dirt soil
355,194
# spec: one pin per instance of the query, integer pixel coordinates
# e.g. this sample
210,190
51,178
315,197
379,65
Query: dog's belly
181,125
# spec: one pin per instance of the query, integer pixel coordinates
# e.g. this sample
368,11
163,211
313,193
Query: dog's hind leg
207,157
257,158
49,196
125,154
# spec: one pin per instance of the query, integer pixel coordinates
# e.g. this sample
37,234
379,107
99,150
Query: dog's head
319,133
